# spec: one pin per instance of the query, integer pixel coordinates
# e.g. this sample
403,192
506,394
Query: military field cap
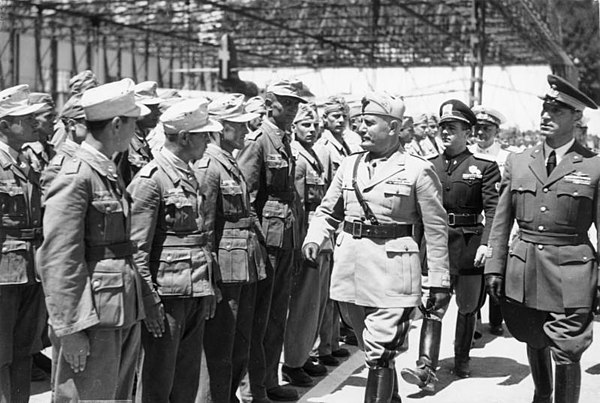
454,109
42,98
563,92
190,115
72,109
82,81
305,112
354,108
335,104
380,103
145,93
14,101
230,107
425,117
407,121
169,93
111,100
256,105
485,114
287,88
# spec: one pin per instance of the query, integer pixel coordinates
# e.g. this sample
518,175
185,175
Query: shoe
282,394
296,376
423,377
341,353
314,368
328,360
350,339
497,330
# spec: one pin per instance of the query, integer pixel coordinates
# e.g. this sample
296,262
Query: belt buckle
357,229
451,219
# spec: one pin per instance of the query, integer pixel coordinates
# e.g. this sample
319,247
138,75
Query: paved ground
499,373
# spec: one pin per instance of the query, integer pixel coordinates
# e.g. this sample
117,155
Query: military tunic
38,155
65,151
136,157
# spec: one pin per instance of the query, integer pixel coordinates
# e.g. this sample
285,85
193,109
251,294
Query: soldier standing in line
425,141
21,296
268,166
175,256
40,152
255,105
240,250
93,290
547,279
380,196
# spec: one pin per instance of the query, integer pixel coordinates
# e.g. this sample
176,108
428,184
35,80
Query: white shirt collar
560,151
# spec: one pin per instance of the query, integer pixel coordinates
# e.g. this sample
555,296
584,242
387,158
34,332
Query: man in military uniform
548,278
425,141
310,283
92,287
175,256
255,105
21,296
469,184
40,152
380,196
242,257
268,166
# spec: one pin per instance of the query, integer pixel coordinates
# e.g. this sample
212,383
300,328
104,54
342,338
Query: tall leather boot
380,385
568,383
395,393
429,351
465,327
541,372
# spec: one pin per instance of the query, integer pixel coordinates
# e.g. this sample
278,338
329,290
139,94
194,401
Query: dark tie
551,164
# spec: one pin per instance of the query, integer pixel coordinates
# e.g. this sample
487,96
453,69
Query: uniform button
575,193
545,190
543,209
540,247
5,249
362,218
406,248
585,258
96,283
541,228
520,187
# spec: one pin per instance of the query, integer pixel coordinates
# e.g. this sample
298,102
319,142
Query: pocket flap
233,243
11,190
399,190
274,210
231,190
108,206
102,281
401,245
575,254
575,190
13,246
523,184
171,255
519,250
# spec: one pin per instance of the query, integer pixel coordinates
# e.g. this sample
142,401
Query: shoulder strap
359,196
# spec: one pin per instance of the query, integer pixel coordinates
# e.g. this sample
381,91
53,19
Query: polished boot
395,393
429,351
465,327
380,385
541,372
568,383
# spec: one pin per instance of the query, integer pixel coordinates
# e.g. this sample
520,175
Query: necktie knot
551,163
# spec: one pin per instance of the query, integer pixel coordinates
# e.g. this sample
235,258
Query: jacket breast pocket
277,171
523,191
469,193
105,215
179,211
233,202
396,197
403,267
14,261
108,291
12,205
274,223
574,201
233,260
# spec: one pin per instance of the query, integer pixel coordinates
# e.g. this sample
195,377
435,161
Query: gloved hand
495,286
310,251
438,298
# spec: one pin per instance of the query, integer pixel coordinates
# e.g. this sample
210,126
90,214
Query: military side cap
380,103
111,100
169,93
14,101
354,108
454,109
287,88
563,92
485,114
190,115
230,107
72,109
42,98
407,121
335,104
145,93
305,112
256,105
83,81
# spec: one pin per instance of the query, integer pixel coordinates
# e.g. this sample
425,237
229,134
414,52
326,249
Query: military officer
310,284
548,278
175,256
93,290
242,257
268,166
469,184
379,196
21,296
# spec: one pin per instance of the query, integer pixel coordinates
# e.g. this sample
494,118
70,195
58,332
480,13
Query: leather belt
29,234
550,238
242,223
112,251
463,220
359,230
173,240
281,196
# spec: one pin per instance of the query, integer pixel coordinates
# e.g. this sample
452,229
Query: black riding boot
541,372
465,326
395,392
568,383
380,385
429,351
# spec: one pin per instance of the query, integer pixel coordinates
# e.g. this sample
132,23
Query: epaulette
253,135
484,157
57,160
72,166
148,169
203,162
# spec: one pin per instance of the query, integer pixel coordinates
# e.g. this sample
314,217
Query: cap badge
447,109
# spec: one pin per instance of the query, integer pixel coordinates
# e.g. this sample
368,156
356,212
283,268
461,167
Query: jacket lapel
537,164
392,166
567,164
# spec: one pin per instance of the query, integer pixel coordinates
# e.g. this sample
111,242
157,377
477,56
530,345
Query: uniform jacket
38,155
331,153
495,151
237,230
20,209
378,272
135,158
65,151
268,167
543,275
469,183
168,226
85,262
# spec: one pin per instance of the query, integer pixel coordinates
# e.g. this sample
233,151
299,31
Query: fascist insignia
474,173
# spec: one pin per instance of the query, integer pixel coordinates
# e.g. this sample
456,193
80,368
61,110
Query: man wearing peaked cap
390,192
268,166
469,184
551,190
227,336
21,296
174,235
40,152
94,294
